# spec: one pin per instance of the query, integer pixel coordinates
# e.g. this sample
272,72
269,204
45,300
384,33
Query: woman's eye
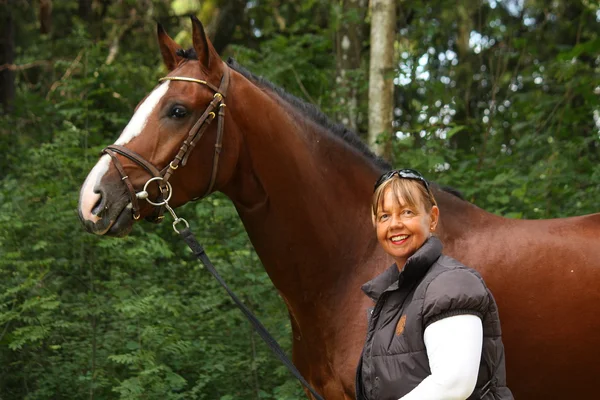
178,112
407,212
383,217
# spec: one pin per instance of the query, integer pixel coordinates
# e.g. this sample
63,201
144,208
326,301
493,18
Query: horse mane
453,191
314,113
307,109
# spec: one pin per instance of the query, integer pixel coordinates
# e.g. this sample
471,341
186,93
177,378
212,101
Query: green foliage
130,318
301,76
485,108
124,318
514,126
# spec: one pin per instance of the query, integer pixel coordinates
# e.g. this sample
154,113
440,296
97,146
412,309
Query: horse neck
302,193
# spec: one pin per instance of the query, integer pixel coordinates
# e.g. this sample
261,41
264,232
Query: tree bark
45,16
7,57
348,48
224,17
464,73
232,13
381,86
85,9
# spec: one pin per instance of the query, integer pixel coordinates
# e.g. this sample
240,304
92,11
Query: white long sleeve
454,347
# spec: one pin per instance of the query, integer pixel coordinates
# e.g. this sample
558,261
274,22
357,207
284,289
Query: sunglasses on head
405,174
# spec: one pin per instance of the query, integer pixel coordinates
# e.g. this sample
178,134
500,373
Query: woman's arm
454,350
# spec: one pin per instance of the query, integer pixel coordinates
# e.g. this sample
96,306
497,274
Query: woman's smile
399,239
401,228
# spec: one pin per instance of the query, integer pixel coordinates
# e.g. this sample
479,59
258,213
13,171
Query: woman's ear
435,216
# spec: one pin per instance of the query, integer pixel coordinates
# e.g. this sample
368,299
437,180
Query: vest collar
415,268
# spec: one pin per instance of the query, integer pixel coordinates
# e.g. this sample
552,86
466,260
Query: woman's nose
396,221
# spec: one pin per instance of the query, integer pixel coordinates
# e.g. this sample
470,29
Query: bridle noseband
195,134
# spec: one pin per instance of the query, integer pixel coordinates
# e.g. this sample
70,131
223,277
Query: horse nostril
99,205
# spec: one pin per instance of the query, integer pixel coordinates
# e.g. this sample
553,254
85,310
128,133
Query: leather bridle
194,135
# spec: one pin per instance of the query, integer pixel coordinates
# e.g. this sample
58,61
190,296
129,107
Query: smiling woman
404,213
434,332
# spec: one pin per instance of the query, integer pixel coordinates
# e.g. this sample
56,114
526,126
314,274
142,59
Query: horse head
170,149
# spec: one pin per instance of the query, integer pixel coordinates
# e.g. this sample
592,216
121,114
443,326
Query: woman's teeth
398,238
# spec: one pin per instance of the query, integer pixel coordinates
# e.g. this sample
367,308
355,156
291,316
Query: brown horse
302,188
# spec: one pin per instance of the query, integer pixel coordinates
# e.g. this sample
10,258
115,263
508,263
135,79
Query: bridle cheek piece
162,177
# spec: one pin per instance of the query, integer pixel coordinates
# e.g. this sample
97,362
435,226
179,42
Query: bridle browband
195,134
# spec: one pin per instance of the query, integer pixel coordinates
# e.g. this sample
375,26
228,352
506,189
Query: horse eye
178,112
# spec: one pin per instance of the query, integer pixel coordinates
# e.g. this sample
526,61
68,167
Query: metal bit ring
165,201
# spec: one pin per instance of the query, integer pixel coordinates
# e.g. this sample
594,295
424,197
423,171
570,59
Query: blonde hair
410,192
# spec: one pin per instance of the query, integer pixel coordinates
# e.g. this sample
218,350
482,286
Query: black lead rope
198,250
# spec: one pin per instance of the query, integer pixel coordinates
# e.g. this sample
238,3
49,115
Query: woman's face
401,229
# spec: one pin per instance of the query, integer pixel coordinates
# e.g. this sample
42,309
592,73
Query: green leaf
455,130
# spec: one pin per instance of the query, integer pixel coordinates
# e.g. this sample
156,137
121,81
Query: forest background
497,98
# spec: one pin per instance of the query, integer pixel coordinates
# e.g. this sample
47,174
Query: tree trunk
230,15
85,9
7,58
381,68
464,74
45,16
348,45
223,18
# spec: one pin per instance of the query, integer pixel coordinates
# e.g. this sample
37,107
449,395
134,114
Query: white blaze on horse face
89,196
138,122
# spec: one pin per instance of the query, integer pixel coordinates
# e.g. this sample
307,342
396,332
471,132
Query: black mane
453,191
313,112
310,110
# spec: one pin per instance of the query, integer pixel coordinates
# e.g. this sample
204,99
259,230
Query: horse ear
168,48
204,48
